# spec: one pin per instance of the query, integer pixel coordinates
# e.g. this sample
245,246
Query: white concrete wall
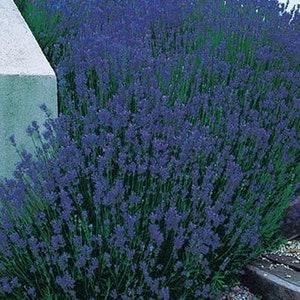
292,3
26,81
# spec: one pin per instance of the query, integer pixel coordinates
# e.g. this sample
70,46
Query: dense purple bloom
178,141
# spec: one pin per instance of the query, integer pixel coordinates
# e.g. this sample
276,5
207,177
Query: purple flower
63,261
81,261
156,234
57,241
31,292
77,240
5,285
66,282
15,239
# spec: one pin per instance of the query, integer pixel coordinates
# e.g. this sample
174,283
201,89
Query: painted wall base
26,81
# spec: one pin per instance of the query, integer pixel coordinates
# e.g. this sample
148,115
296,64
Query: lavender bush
174,158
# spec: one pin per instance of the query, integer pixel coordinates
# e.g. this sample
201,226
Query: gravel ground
239,292
291,248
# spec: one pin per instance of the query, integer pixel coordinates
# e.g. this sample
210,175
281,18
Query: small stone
236,289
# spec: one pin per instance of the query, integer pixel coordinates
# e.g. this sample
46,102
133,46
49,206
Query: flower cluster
174,158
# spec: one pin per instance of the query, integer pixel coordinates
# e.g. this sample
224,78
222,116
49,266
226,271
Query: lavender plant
174,158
